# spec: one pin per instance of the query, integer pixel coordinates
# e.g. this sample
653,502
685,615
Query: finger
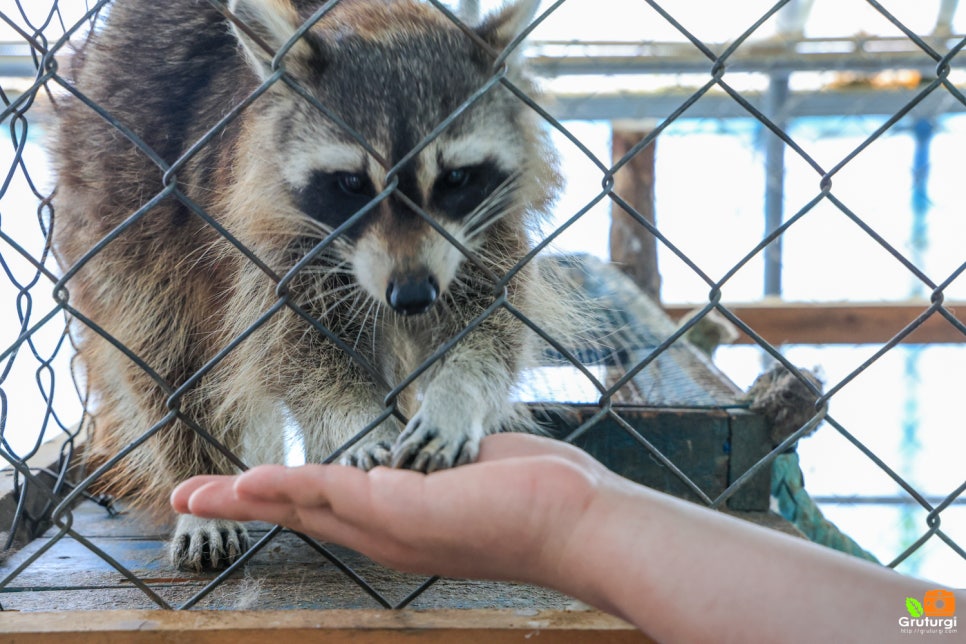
305,486
180,494
217,500
299,499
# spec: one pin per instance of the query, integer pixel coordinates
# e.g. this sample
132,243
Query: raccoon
276,213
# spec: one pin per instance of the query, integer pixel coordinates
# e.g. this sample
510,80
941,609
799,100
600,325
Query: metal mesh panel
44,397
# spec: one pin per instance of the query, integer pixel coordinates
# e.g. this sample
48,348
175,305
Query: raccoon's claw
424,448
206,544
368,455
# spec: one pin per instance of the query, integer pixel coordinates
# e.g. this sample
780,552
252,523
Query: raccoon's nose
412,296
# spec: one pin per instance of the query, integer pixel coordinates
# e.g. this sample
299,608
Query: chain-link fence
173,168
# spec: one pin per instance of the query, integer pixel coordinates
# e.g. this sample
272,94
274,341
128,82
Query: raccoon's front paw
206,544
426,446
368,455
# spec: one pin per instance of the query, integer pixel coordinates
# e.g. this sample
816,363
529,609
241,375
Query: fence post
632,248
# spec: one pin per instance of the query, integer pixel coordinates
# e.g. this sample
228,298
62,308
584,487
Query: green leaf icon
914,607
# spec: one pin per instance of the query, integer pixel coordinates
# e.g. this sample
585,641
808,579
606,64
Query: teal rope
794,503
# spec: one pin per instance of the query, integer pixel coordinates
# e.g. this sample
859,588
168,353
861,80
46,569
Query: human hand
510,515
528,510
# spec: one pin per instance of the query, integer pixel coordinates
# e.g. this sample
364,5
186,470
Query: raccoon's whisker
339,301
375,327
355,308
334,251
362,326
477,220
338,264
436,311
327,270
475,283
492,208
331,279
350,291
330,323
323,276
328,259
325,295
319,289
320,231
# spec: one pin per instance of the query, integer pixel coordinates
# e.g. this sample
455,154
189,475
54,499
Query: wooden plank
287,588
285,574
840,322
749,443
768,56
332,627
696,441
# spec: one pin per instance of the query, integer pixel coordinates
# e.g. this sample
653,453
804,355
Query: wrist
597,564
586,544
561,497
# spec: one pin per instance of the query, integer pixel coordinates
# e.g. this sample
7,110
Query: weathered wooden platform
286,574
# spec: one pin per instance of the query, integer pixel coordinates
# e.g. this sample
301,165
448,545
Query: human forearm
539,511
681,572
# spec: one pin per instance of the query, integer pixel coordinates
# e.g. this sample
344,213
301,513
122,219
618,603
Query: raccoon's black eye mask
459,191
333,197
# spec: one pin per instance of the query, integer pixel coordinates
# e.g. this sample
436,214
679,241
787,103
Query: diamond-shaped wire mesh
49,311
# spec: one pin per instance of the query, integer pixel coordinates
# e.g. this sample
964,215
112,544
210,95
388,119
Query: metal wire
34,310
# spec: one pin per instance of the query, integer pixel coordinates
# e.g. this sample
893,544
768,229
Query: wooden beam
860,53
331,627
840,323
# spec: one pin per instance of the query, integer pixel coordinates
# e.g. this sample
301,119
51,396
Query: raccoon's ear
272,23
500,28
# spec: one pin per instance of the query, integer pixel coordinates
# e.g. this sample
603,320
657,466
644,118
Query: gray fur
176,292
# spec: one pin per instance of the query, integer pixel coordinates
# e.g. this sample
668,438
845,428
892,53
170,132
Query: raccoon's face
424,181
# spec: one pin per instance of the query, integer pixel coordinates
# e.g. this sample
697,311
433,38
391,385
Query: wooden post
632,248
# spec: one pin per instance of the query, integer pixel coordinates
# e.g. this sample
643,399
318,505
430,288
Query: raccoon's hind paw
206,544
368,455
426,448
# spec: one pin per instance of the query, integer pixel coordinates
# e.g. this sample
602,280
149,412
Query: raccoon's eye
456,178
459,191
351,183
